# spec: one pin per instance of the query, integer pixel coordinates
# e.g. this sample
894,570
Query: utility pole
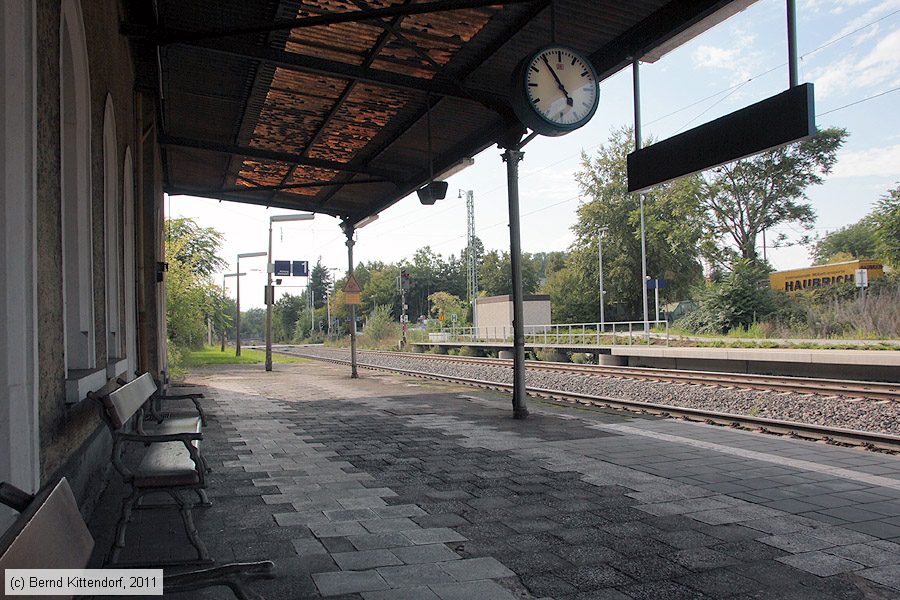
404,287
636,79
471,262
600,233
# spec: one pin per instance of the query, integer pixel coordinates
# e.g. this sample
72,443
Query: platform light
368,220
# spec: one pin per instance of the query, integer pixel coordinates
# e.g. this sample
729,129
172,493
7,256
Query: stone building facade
81,229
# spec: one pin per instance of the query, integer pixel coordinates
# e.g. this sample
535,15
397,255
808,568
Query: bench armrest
154,438
194,398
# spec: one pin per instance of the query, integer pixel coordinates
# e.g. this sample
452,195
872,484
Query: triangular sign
352,286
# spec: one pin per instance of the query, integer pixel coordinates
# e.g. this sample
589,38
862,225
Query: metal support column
237,308
793,66
512,158
270,300
348,230
635,71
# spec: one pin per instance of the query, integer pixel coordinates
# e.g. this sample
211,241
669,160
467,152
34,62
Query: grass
211,355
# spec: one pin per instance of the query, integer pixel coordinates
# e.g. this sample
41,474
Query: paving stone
662,590
796,542
869,555
411,593
399,510
702,559
305,547
889,575
471,569
482,590
344,528
684,539
365,559
720,583
350,514
374,541
412,575
430,553
820,563
348,582
434,535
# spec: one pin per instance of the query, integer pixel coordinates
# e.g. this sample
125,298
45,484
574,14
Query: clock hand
569,100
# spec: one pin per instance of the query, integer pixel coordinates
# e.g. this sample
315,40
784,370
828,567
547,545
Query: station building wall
82,207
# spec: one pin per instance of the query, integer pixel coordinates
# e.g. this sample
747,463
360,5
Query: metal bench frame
51,533
126,404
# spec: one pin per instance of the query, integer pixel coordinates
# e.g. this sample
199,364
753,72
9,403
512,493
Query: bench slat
164,465
129,398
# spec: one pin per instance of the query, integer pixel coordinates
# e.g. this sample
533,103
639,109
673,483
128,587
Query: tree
197,246
495,274
673,226
571,298
848,243
747,197
381,290
443,303
284,316
320,283
192,299
886,218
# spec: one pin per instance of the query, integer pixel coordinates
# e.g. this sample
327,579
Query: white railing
611,333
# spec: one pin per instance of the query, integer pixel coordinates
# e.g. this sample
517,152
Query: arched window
112,234
130,280
75,189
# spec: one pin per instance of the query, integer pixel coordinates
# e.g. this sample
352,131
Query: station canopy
326,106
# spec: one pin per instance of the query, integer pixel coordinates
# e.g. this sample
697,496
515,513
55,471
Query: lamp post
237,302
238,275
270,292
600,233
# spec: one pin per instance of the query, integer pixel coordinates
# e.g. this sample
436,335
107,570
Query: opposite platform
388,487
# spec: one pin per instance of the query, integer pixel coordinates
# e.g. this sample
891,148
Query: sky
850,50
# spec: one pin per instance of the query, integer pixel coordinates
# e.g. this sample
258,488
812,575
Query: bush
381,332
552,355
738,301
470,351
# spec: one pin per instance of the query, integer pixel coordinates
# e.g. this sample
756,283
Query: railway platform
388,487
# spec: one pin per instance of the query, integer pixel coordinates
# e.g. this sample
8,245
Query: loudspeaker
431,192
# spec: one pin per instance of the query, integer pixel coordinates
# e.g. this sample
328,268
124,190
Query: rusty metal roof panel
327,100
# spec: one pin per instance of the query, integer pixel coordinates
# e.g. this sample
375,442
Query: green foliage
320,283
571,297
470,351
284,317
191,297
746,197
381,290
495,274
448,305
253,323
886,218
380,326
196,246
214,356
740,300
847,243
674,233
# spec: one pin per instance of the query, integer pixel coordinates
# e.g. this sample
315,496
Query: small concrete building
494,315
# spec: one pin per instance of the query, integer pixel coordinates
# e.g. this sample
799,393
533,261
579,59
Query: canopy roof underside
325,105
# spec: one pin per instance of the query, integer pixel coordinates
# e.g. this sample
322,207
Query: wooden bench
172,463
50,533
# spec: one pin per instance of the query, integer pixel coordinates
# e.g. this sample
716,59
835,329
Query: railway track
870,390
870,440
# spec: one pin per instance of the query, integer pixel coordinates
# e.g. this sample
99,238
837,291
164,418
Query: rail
610,333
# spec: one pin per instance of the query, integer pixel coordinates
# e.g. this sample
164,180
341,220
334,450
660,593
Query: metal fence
611,333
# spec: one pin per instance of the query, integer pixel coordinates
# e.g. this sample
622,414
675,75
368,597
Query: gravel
880,416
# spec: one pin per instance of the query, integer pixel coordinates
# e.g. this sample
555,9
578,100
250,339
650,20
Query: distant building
495,313
797,280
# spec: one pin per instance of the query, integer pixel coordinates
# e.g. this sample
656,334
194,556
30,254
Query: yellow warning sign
351,298
352,286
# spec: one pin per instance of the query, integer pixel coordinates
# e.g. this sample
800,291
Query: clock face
560,91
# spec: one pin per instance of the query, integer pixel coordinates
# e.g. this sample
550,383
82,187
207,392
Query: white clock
554,91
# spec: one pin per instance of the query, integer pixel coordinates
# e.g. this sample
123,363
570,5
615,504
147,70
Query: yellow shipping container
797,280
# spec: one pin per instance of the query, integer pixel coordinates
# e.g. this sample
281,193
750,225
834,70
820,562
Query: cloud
880,66
874,162
741,60
876,12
